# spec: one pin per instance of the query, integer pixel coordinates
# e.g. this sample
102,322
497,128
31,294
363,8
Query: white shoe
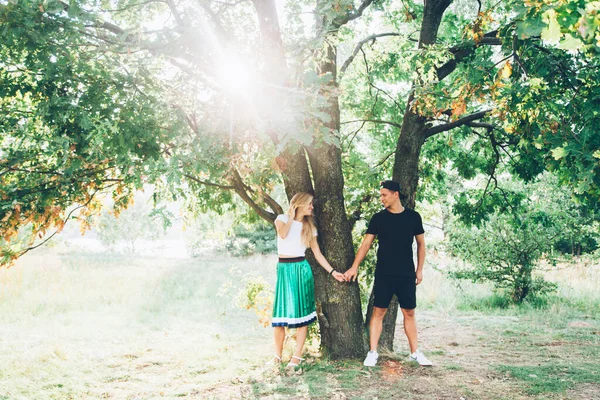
276,360
294,364
371,360
419,357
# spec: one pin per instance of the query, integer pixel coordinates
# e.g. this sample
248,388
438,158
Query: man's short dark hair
391,185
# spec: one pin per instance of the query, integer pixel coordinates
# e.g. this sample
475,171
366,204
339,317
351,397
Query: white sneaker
371,360
419,357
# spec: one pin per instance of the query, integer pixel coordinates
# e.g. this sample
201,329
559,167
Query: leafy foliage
76,121
504,251
93,101
135,223
245,240
257,296
506,246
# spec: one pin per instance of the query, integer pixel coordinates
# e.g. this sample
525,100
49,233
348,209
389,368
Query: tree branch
271,202
191,123
338,22
175,13
275,206
489,127
225,3
464,50
127,7
459,122
377,121
372,85
240,188
359,46
352,136
384,159
224,187
60,229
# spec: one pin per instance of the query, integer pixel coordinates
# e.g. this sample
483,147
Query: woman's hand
292,213
338,276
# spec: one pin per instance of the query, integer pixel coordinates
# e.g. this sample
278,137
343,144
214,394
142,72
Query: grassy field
78,326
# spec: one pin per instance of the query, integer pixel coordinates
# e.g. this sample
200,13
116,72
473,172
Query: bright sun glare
235,77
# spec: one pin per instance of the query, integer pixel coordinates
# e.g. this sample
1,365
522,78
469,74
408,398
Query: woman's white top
292,244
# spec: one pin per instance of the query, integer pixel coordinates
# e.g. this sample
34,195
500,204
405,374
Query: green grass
81,326
453,367
101,326
555,378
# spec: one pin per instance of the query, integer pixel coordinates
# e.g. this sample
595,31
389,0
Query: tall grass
88,326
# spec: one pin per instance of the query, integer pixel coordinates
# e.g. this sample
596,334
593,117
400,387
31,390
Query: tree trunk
338,304
294,169
408,148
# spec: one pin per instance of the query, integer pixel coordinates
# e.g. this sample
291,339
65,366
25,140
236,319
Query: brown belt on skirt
291,260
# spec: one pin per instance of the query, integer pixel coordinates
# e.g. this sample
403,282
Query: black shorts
404,288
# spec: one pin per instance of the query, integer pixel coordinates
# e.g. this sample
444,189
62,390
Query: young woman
294,305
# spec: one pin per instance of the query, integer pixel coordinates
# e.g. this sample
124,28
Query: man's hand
419,277
351,274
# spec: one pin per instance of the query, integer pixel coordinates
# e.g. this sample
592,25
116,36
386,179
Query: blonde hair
299,200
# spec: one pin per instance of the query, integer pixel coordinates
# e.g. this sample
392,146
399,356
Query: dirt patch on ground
471,356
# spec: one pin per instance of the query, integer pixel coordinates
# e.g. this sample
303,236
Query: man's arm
366,244
420,256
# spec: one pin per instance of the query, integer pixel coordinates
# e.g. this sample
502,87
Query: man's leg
376,326
383,295
410,328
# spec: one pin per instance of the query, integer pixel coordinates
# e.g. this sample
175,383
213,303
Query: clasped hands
348,276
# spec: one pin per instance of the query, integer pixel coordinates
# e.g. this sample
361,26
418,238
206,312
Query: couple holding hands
395,227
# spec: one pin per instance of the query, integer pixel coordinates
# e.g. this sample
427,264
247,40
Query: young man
395,227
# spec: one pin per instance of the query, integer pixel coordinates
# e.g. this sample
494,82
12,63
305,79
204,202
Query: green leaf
529,28
570,43
558,153
551,33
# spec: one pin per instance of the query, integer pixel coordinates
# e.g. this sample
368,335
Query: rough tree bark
338,304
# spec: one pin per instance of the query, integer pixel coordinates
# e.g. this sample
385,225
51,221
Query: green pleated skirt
294,304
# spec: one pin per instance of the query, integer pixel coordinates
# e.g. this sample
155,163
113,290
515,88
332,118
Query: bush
137,222
247,240
505,250
207,232
576,247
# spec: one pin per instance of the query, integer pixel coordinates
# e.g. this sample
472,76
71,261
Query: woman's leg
300,339
279,333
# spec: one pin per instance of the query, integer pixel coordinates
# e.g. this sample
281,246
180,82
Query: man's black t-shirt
395,233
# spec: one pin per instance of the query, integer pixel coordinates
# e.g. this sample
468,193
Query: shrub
505,250
137,222
247,240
